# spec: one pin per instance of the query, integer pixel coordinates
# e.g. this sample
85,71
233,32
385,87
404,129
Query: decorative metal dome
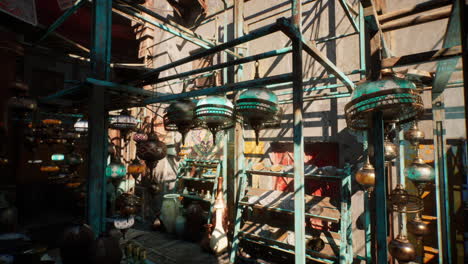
81,126
180,116
397,98
419,172
214,113
152,150
401,249
257,106
124,121
366,175
390,150
414,135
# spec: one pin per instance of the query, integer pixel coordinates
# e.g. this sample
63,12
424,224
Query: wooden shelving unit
211,183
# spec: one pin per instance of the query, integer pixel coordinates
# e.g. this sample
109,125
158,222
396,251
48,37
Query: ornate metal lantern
152,150
417,227
136,168
123,122
397,98
401,249
390,150
414,135
81,126
57,157
257,106
419,172
180,116
214,113
20,101
74,159
115,169
140,136
401,201
366,175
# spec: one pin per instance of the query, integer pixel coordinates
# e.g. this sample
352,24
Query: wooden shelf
197,179
330,213
329,254
194,197
291,175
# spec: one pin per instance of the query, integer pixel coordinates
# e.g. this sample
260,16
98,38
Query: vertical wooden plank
100,61
298,137
380,187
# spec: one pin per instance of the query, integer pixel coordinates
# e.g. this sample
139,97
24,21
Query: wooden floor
163,248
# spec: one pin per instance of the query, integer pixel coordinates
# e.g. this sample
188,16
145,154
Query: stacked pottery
170,211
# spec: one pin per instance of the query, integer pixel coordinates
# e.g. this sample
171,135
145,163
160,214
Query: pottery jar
170,211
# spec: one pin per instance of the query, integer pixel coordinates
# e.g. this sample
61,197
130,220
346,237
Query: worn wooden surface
163,248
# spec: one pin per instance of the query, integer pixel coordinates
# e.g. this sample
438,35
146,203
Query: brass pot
417,227
390,150
366,175
414,135
401,249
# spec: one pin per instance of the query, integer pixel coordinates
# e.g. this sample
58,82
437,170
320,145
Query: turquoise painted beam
151,75
122,88
221,89
345,7
97,139
226,64
61,19
298,136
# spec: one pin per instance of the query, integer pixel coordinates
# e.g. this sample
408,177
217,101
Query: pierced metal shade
116,169
180,116
152,150
124,121
419,172
398,100
81,126
214,113
257,106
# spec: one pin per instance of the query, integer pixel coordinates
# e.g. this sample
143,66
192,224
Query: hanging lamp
257,106
124,122
151,150
179,116
115,169
81,126
414,135
365,176
398,100
214,113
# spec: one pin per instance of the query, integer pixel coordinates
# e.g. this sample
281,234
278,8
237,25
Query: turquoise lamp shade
116,169
81,126
419,172
57,157
214,113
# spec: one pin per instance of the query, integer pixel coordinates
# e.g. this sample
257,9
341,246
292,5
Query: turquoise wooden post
380,187
100,67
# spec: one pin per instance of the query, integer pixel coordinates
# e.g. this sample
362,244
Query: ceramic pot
106,249
195,221
75,244
170,211
180,222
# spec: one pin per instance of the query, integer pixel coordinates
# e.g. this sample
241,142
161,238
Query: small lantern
136,168
115,169
124,121
50,168
57,157
179,116
366,175
81,126
152,150
420,173
214,113
414,135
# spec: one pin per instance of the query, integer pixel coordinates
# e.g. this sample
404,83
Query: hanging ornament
57,157
396,98
214,113
136,168
390,150
180,116
419,172
74,159
401,249
257,106
151,150
140,136
21,102
115,169
366,175
124,122
414,135
81,126
417,227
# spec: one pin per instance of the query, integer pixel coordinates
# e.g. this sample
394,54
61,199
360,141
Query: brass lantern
414,135
365,176
390,150
401,249
417,227
151,150
214,113
420,173
180,116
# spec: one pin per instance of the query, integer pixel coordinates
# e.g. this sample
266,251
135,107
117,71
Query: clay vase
106,249
195,221
205,242
170,211
75,244
180,223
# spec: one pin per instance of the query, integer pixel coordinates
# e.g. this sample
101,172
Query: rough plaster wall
324,120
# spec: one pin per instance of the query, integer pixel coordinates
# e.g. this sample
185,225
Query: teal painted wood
362,41
345,7
346,248
238,218
61,19
380,187
367,228
97,139
401,176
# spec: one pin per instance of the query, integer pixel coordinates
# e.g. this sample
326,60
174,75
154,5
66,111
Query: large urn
170,211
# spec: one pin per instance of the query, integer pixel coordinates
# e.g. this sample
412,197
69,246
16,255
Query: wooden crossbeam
427,56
